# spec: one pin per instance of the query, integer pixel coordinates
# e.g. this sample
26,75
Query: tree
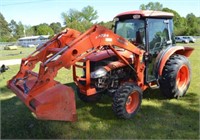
20,30
152,6
34,28
193,24
29,31
44,29
108,24
80,20
185,26
198,30
56,27
13,27
71,15
5,32
88,13
17,30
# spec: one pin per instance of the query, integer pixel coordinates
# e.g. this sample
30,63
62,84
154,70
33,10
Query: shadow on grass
170,120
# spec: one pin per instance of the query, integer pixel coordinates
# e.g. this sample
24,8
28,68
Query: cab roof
147,13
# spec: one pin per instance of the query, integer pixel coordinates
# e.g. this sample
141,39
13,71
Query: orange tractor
139,54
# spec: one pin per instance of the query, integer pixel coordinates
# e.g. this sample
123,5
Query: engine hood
97,56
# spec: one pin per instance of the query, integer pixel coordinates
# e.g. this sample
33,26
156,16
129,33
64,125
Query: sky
34,12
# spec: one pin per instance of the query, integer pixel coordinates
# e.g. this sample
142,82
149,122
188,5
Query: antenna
152,12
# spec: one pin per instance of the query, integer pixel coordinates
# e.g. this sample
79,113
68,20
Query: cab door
159,38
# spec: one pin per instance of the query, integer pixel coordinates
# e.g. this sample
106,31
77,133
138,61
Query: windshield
132,30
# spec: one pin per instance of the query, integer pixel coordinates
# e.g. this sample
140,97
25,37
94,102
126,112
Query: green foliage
80,20
14,30
108,24
152,6
43,29
56,27
182,26
70,16
29,31
13,27
193,23
89,14
185,26
5,31
20,30
17,30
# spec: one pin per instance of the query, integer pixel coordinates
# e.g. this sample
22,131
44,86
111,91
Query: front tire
127,100
176,77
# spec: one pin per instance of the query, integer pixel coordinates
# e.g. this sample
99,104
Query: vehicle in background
31,45
180,39
190,38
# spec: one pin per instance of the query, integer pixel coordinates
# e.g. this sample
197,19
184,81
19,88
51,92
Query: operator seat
139,40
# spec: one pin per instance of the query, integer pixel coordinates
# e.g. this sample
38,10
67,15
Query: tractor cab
151,31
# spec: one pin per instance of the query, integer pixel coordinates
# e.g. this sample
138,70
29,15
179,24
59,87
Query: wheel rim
132,102
182,77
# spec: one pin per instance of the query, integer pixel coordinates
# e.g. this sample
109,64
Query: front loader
139,54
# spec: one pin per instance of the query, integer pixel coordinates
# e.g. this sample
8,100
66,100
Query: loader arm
93,40
49,48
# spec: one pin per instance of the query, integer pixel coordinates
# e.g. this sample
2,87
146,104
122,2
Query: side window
131,29
125,30
158,35
171,24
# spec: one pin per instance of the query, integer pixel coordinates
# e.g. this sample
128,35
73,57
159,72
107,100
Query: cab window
158,35
131,29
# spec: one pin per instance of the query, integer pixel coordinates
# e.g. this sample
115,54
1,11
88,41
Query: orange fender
165,55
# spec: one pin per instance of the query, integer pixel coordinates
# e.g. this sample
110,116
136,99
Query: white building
33,40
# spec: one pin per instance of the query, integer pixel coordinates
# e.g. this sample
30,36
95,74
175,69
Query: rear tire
89,99
127,100
176,77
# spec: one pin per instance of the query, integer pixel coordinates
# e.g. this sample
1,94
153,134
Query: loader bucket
56,103
49,102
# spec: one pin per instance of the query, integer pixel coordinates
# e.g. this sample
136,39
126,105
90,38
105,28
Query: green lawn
158,118
15,54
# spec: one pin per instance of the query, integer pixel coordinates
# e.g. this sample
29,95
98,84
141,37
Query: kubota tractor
139,54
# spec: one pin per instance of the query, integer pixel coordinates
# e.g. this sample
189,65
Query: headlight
98,73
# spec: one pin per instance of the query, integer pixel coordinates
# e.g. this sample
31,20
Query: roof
147,13
34,37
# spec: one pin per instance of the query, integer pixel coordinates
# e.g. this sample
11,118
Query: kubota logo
122,41
102,36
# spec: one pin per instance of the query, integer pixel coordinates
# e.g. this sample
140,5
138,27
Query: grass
15,54
158,118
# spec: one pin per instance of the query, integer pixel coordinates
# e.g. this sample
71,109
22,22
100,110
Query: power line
28,2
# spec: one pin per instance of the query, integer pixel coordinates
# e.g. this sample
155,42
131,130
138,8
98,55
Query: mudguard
165,54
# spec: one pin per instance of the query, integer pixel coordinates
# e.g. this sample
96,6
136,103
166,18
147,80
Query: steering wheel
158,45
